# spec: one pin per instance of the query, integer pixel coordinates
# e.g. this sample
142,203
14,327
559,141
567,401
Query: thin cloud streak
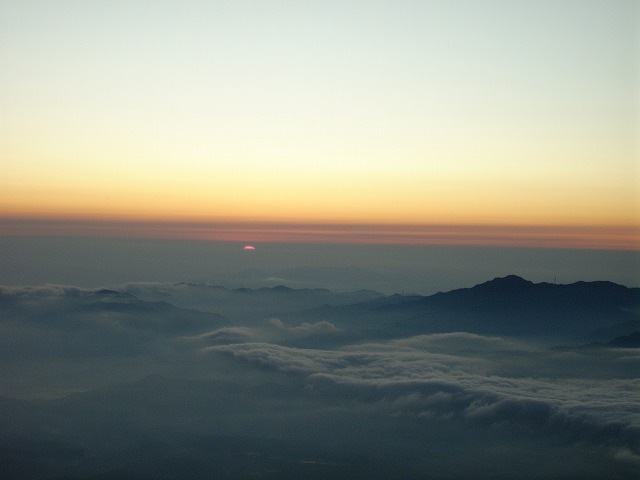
537,236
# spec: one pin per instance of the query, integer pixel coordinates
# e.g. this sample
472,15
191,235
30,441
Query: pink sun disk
249,247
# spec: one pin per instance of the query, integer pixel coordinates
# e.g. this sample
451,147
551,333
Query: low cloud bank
415,382
224,370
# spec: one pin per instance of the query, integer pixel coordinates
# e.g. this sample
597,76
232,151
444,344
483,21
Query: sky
407,113
372,152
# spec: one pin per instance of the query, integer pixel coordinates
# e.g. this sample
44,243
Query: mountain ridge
507,305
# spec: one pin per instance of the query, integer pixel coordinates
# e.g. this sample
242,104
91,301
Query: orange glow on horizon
376,195
346,126
482,212
533,236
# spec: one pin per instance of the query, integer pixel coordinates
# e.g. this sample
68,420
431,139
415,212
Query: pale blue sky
274,104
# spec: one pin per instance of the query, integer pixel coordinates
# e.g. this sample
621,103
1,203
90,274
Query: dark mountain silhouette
140,314
244,305
504,306
626,341
90,324
138,384
105,292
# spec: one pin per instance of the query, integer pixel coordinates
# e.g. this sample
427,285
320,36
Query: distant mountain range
173,380
580,313
624,341
503,306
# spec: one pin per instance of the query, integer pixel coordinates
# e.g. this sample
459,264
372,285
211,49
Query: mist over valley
508,378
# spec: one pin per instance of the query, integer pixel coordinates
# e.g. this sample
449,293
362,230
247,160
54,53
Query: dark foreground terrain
508,379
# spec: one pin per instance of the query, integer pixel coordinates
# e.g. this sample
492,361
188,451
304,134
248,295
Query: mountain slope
503,306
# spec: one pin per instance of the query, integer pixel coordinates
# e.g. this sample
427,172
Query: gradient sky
401,112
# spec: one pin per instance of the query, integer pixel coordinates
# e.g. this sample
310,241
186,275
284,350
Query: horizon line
595,237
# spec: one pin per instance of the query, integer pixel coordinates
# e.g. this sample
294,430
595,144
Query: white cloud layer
417,382
278,365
